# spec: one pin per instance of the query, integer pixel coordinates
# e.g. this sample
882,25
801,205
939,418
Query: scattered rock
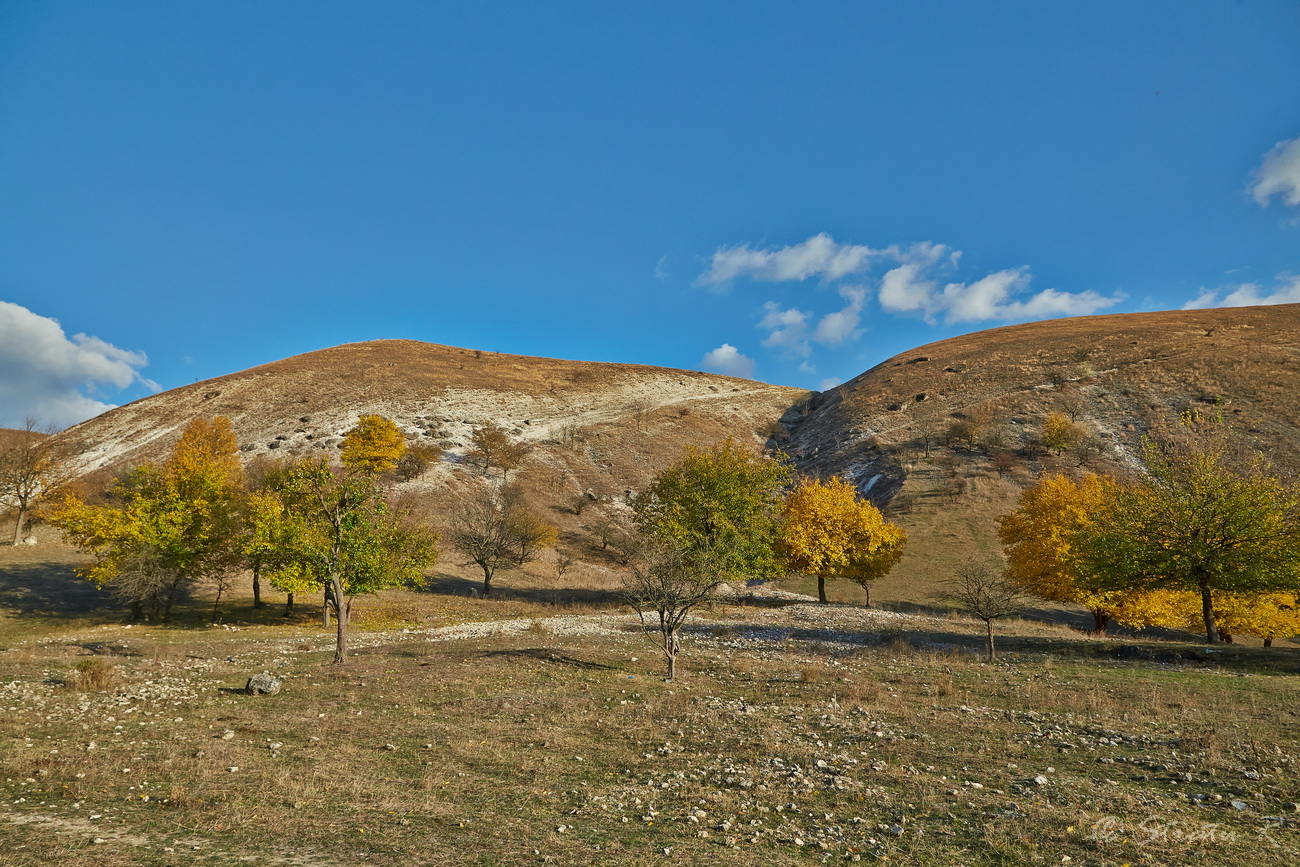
263,684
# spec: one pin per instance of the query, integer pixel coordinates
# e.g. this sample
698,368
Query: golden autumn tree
1264,615
1060,434
168,526
1038,539
374,444
827,530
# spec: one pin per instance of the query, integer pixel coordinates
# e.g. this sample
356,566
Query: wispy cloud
841,326
1278,174
729,361
787,329
1287,291
46,374
819,256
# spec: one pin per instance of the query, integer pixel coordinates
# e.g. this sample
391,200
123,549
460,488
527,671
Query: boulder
263,684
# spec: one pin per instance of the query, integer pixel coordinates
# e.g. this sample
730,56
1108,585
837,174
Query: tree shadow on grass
1017,649
544,654
444,584
53,590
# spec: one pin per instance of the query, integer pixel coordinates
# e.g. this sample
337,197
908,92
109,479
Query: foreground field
513,732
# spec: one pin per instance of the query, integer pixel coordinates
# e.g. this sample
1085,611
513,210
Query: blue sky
792,192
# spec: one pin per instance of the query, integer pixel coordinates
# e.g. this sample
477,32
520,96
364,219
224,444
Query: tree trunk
867,589
670,652
988,642
487,581
18,526
288,604
137,610
325,607
1207,611
1099,622
257,587
1268,642
821,588
340,622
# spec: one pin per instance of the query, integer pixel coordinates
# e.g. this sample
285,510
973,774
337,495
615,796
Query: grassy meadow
536,728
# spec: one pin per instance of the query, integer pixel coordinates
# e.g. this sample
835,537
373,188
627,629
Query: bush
94,675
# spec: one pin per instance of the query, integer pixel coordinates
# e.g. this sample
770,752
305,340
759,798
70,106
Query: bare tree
496,530
662,587
33,467
492,445
987,594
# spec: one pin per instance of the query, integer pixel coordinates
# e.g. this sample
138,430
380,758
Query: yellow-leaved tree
1038,540
827,530
373,445
167,526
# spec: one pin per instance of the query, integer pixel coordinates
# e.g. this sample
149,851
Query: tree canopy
169,525
827,530
723,503
1201,521
374,444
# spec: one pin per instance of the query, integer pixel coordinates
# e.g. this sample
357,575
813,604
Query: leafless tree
662,587
987,594
33,467
496,530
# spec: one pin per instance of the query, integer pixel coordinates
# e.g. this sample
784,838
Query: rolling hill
943,437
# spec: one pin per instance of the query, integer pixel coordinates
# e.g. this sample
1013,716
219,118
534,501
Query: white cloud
1287,291
909,289
1279,174
788,329
829,383
729,361
44,373
661,268
819,256
842,325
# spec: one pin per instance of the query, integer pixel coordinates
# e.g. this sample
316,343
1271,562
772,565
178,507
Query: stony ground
797,733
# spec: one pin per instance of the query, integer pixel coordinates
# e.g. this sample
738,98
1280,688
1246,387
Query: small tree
724,502
338,531
663,585
373,445
496,530
1060,434
33,467
417,459
494,447
828,530
986,594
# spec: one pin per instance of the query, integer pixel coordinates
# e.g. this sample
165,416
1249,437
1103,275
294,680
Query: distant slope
601,430
602,426
1119,376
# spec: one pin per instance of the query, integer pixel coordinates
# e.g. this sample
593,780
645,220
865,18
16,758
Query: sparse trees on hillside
496,530
827,530
33,468
724,503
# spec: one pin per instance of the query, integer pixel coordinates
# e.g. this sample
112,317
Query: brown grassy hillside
1118,377
605,429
